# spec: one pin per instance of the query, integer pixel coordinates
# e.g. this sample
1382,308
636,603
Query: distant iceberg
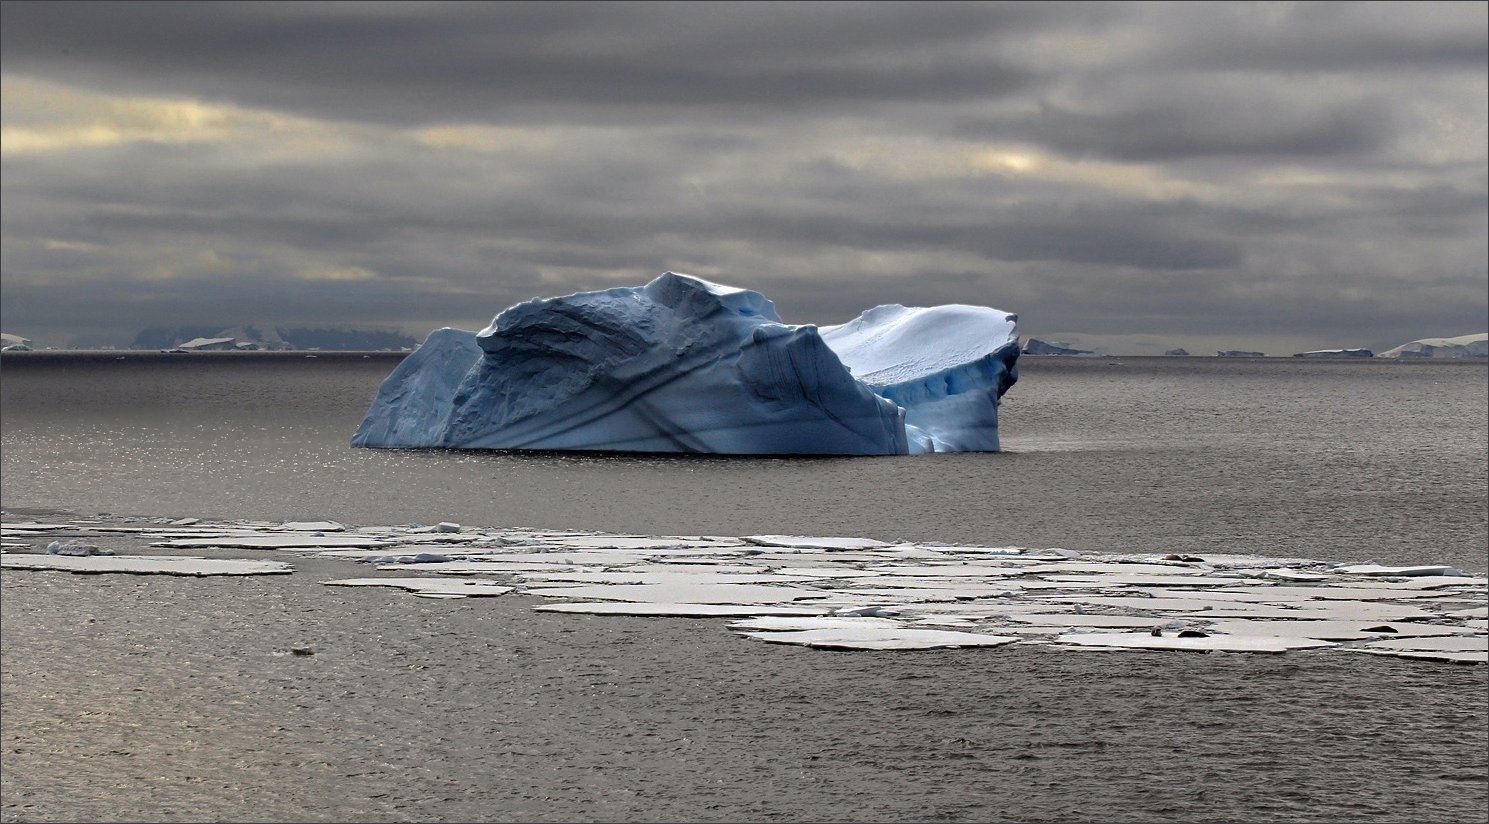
1463,346
1239,353
1035,346
208,344
1336,353
685,365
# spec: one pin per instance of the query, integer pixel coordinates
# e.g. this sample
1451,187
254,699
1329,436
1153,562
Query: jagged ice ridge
685,365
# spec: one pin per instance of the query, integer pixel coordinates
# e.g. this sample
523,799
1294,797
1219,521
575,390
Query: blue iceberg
685,365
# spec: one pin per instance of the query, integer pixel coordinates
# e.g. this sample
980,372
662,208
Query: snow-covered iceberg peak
947,366
685,365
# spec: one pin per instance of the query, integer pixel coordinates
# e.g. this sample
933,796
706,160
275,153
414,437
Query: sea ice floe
145,565
712,576
880,638
642,542
445,587
950,571
1397,572
1292,575
686,593
1448,643
804,542
1335,630
827,572
1134,602
670,610
1340,593
33,526
1145,580
1431,655
1087,620
1060,570
881,589
1472,649
304,541
1204,643
772,623
311,526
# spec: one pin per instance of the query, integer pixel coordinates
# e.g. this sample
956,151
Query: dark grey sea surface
154,698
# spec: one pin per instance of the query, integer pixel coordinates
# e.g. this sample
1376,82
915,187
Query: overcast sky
1275,177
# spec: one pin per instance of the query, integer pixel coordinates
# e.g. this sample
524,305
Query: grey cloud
1202,128
492,61
1327,37
726,151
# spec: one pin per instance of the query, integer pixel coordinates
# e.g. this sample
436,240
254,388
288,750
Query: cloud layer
1273,177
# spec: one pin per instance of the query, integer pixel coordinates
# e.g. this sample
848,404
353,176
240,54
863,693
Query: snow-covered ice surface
144,565
946,366
844,592
685,365
1463,346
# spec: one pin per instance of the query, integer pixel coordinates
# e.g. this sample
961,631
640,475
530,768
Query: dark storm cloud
488,61
1308,173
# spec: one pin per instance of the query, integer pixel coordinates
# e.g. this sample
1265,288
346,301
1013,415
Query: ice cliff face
684,365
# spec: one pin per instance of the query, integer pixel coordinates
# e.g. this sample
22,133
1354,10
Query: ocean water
1325,459
488,711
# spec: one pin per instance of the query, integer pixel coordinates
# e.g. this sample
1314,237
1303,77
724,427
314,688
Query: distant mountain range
276,337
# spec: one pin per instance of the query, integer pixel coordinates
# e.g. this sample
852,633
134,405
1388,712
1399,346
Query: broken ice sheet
1473,657
1143,579
920,585
1334,630
1402,572
311,526
655,577
970,570
677,610
1207,643
1087,620
448,587
642,542
1454,643
1343,593
881,638
145,565
285,541
1471,649
685,593
818,622
804,542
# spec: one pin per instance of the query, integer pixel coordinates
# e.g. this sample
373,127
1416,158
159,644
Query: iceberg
1336,353
685,365
208,344
1035,346
1463,346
